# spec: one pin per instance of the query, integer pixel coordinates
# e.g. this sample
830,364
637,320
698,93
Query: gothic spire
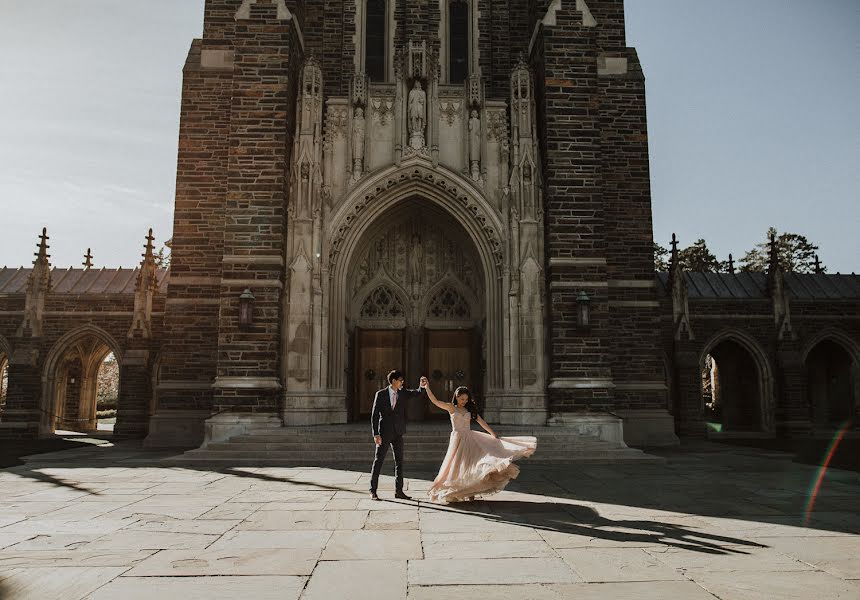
88,259
42,255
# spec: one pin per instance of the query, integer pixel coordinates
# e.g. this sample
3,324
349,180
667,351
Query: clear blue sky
752,107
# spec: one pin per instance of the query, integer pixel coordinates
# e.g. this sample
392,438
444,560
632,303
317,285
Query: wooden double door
448,357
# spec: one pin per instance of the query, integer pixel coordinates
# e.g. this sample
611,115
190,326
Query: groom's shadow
575,519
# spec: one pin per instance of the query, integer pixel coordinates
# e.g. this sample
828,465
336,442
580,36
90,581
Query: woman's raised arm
443,405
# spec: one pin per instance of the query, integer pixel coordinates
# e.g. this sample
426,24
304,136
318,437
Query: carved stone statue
416,259
357,143
417,115
475,145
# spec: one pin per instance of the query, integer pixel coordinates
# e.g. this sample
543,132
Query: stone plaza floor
713,521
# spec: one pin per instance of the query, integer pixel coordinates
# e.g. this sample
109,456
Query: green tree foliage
661,258
796,254
108,382
699,258
162,257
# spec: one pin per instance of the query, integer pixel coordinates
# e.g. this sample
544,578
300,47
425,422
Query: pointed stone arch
381,193
765,371
832,377
48,404
836,335
379,282
467,295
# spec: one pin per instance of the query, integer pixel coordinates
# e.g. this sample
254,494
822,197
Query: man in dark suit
388,421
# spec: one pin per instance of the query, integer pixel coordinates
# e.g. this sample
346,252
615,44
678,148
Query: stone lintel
258,383
571,383
571,261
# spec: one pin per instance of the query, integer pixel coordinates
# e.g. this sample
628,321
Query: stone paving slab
489,571
210,588
617,564
382,545
358,580
259,561
765,585
724,523
55,583
651,590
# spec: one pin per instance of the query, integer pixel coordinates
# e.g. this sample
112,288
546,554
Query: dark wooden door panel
377,352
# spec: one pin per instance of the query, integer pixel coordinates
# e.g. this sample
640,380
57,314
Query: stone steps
424,444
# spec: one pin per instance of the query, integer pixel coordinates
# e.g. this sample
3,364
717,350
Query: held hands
424,383
378,440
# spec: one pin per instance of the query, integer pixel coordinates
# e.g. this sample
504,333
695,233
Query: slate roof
79,281
746,286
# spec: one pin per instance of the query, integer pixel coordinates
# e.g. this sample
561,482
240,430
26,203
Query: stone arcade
454,187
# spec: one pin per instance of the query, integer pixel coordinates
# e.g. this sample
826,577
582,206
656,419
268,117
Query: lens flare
831,450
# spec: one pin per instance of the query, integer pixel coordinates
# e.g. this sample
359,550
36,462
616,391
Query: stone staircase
425,444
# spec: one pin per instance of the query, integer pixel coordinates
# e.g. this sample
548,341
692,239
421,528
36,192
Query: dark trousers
381,450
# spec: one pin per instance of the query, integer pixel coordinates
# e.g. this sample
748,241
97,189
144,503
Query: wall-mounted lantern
583,311
246,309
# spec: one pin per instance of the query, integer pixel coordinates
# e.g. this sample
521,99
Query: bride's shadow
575,519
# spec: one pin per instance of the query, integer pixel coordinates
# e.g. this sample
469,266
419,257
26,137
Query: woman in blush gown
477,463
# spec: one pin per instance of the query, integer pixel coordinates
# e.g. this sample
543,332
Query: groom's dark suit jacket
390,423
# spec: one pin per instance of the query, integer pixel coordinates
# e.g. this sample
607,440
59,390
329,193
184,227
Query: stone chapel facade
458,188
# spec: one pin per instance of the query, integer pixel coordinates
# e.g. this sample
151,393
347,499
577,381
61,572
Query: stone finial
88,259
42,255
673,259
680,301
144,291
731,264
773,252
778,294
38,286
148,246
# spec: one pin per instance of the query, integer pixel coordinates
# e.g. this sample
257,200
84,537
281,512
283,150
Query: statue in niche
416,258
357,143
417,115
475,145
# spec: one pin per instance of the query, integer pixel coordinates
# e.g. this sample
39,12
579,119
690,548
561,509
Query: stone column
580,374
135,390
265,62
688,383
22,417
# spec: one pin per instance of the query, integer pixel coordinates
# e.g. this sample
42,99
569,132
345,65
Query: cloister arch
5,353
743,382
69,378
832,362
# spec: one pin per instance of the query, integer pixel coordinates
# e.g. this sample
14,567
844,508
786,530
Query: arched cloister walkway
832,362
737,384
70,379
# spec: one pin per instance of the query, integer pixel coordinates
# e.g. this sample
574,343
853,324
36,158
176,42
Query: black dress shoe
373,496
402,496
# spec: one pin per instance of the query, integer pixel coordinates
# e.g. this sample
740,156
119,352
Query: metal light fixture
583,311
246,309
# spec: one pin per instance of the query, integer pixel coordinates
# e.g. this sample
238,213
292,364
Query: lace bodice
461,421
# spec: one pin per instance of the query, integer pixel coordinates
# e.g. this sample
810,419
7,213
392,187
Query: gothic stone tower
457,188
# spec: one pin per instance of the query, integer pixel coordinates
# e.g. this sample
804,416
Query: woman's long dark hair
471,405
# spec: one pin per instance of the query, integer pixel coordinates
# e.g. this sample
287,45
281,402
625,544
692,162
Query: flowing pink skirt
477,464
